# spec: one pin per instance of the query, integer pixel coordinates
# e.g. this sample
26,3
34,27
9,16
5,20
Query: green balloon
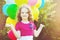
12,10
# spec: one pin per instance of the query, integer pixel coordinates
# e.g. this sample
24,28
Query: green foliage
46,13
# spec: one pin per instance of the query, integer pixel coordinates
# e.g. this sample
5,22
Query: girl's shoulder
18,23
31,22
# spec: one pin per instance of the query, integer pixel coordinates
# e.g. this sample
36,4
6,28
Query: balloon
42,5
12,10
4,9
10,2
32,2
21,2
38,4
11,21
35,13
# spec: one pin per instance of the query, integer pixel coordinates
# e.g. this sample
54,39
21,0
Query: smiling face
24,13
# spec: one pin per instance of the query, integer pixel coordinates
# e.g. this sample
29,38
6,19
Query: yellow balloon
11,21
38,4
21,2
35,13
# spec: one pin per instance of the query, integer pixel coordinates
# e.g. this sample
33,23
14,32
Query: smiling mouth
25,16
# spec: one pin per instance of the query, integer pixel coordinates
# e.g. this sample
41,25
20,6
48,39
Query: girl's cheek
27,15
21,15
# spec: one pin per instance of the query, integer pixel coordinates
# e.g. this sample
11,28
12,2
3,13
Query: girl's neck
25,21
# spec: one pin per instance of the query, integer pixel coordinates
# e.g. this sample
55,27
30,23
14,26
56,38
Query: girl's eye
22,12
26,12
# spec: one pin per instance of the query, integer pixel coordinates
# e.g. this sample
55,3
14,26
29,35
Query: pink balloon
32,2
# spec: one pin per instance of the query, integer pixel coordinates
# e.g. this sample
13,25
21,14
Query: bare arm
16,33
37,32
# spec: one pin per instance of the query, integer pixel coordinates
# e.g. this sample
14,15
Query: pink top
26,29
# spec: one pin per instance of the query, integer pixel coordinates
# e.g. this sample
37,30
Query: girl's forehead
24,9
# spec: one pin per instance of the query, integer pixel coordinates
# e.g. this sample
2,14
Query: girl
25,27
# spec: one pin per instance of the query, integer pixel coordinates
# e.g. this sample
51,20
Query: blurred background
49,15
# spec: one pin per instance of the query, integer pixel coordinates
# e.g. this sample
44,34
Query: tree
3,30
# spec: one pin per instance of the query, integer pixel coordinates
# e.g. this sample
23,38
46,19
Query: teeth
24,16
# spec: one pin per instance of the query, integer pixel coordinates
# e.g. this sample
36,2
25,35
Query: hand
9,25
41,25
